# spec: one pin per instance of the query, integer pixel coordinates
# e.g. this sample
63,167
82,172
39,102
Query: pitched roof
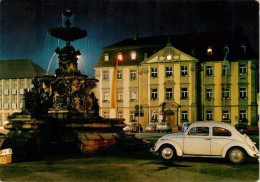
20,68
197,43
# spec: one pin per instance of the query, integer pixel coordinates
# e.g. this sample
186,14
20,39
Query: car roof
211,123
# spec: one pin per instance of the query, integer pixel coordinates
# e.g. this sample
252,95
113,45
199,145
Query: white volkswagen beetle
207,138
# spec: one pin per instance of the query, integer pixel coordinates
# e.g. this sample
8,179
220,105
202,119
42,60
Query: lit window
184,116
106,114
209,94
184,70
209,115
119,74
209,70
154,115
225,93
132,96
119,115
105,75
168,93
226,69
120,56
106,97
106,57
154,93
226,49
154,72
132,74
119,96
243,93
209,51
133,55
242,115
225,115
184,93
242,69
168,71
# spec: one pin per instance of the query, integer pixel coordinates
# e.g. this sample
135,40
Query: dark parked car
242,128
136,128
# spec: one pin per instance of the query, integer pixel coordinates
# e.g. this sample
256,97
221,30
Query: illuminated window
120,56
168,71
225,93
132,96
184,93
209,51
119,96
119,115
226,69
209,94
225,115
154,72
184,116
243,93
209,115
168,93
106,114
133,55
154,115
242,115
132,74
105,75
106,97
106,57
242,69
119,75
184,70
154,93
209,70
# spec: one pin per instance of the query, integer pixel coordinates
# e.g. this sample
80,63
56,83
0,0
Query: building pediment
169,54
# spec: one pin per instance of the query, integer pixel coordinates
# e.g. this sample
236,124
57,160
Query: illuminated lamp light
78,56
133,55
120,57
209,51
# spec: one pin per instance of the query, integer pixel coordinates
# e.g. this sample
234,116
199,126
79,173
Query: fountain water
47,72
62,109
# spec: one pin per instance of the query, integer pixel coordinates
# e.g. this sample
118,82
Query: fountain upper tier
68,33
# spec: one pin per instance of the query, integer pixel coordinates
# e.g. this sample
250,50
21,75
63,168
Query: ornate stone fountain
62,108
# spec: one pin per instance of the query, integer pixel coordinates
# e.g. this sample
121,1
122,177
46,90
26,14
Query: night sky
24,24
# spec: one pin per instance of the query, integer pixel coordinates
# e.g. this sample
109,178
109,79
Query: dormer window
209,51
106,57
133,55
226,49
243,48
120,56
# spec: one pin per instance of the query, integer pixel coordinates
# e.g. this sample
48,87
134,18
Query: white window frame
106,96
132,96
184,115
106,114
242,92
168,93
242,69
132,74
242,115
119,74
119,96
154,93
119,114
184,70
225,115
154,116
209,115
184,93
209,70
168,71
209,93
132,115
226,69
225,93
154,73
105,75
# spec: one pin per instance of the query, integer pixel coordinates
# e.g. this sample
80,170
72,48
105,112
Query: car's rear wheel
236,155
167,152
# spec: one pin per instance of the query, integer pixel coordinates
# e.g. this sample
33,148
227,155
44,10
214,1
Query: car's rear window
218,131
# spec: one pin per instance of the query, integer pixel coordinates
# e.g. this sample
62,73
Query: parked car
185,126
150,128
208,139
128,128
163,126
241,128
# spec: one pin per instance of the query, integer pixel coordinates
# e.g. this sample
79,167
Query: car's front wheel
236,155
167,152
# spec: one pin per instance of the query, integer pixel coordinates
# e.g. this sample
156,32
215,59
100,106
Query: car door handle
208,139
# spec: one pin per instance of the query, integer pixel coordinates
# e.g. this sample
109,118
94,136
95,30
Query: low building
15,77
179,78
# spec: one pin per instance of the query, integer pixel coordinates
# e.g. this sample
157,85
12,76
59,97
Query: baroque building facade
179,78
15,76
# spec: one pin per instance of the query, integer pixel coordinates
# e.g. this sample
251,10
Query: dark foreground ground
133,164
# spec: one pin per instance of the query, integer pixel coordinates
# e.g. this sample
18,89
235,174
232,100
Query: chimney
135,35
